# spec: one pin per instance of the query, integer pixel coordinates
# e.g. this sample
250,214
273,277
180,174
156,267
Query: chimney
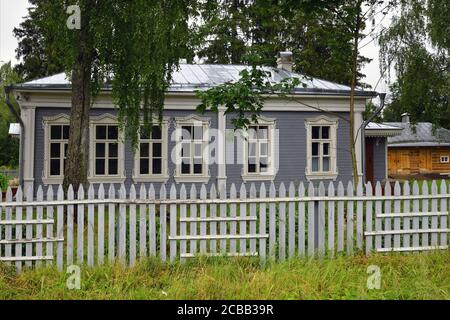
405,117
285,61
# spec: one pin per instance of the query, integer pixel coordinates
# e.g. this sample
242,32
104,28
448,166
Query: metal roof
190,77
381,130
421,135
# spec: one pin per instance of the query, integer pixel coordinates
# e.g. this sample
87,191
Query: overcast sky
12,13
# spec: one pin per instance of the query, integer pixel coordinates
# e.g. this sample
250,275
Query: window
192,149
56,139
107,151
151,157
258,151
321,148
444,159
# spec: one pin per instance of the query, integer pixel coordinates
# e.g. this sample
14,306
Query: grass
412,276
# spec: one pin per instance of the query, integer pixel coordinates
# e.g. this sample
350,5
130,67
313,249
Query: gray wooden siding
379,161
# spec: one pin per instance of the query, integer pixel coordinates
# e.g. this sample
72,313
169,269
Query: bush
4,181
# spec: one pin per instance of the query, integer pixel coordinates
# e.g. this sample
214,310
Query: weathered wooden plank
19,235
359,217
443,208
387,221
173,223
132,234
340,218
301,222
60,230
193,225
101,227
39,227
434,219
223,214
213,215
90,227
203,215
282,224
321,222
122,226
397,208
29,228
416,208
70,227
406,210
253,214
350,219
331,220
233,195
369,218
272,221
163,224
183,243
80,226
142,223
262,223
425,219
311,222
49,228
243,224
292,222
152,222
111,224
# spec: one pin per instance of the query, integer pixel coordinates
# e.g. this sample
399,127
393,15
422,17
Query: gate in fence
125,225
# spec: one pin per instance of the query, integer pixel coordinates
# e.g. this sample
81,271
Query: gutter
363,130
22,130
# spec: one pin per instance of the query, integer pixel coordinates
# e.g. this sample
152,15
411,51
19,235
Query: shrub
4,180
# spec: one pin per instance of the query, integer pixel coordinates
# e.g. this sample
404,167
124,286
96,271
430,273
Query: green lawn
412,276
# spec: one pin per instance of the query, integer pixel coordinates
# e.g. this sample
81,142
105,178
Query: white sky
13,11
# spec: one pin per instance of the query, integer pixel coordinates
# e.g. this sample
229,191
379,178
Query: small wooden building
419,150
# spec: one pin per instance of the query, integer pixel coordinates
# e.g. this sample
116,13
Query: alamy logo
74,19
74,280
374,279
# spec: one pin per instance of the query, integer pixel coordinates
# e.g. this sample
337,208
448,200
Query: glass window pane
157,166
55,132
252,149
326,149
55,167
198,133
315,164
113,150
100,132
325,132
144,150
143,166
198,167
186,132
315,149
55,150
100,166
157,152
156,132
251,168
263,132
252,132
186,150
185,166
326,164
144,134
113,132
198,150
99,150
263,167
113,166
252,160
264,149
316,132
66,132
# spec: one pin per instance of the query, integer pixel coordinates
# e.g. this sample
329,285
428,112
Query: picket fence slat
340,217
152,222
29,228
183,244
101,227
416,221
272,221
301,222
173,223
311,222
163,224
39,227
350,219
49,229
321,222
243,223
111,224
213,215
387,222
378,212
60,231
253,214
142,223
223,224
434,219
397,205
359,217
233,195
262,223
444,208
70,227
331,220
203,224
19,235
406,211
132,226
80,227
425,208
90,228
369,218
291,222
282,228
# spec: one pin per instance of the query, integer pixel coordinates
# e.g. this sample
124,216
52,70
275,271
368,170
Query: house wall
292,147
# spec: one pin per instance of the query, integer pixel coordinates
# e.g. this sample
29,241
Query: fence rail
177,224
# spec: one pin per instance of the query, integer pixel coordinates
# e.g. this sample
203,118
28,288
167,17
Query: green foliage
9,147
370,110
416,46
418,276
4,182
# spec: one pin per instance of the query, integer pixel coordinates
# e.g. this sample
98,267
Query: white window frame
106,119
58,120
192,120
270,123
164,175
444,159
333,124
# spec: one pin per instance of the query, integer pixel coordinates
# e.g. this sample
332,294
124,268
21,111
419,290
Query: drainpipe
363,130
22,131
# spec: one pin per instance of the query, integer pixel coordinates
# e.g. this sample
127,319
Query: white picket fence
171,225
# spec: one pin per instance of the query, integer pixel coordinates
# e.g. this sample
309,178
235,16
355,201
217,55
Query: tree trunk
77,160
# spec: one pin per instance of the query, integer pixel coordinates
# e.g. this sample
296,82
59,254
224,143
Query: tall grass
413,276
